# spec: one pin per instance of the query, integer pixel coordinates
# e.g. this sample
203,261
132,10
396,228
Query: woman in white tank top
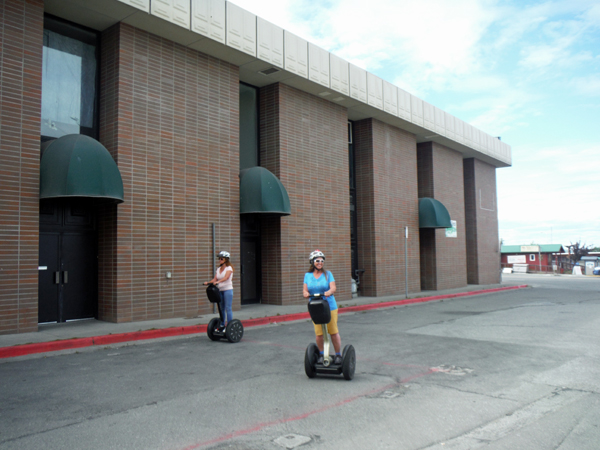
224,280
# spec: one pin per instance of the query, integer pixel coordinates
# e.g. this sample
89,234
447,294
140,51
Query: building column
21,44
481,212
304,142
387,202
443,264
169,116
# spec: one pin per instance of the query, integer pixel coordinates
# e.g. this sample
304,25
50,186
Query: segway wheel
348,362
234,331
310,359
210,329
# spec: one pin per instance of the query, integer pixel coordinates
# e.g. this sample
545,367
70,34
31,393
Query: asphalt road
512,370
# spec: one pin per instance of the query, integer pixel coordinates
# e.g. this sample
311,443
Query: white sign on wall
516,259
451,232
530,248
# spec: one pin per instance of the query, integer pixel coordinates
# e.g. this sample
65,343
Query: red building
533,258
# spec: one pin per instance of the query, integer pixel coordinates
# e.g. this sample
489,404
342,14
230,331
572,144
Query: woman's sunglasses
319,261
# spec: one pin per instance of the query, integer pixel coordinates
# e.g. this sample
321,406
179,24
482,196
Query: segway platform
234,330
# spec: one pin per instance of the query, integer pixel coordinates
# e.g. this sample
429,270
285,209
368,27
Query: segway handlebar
212,292
319,310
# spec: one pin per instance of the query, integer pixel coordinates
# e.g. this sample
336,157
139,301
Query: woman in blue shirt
320,281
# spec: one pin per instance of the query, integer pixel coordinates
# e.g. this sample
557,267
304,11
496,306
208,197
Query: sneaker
320,359
338,359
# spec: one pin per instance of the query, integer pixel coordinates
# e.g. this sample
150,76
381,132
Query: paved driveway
512,370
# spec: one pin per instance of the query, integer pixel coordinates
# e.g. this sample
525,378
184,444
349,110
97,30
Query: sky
526,71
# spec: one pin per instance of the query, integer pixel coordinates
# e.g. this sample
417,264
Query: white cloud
588,85
506,67
550,188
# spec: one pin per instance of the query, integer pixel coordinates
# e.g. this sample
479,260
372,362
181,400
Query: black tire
310,359
210,329
348,362
234,331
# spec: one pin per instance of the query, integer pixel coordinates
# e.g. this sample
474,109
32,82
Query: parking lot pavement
506,370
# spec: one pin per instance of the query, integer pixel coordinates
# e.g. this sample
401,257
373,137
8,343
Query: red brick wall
304,142
169,115
443,264
481,212
21,41
386,185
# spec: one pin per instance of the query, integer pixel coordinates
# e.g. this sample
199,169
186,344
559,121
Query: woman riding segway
225,325
319,283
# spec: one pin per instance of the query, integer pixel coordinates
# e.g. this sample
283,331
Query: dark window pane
249,155
68,85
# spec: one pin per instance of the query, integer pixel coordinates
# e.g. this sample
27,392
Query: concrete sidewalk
87,333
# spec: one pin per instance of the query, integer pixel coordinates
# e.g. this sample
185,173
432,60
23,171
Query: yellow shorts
331,326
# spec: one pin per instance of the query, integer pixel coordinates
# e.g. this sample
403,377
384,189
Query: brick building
152,110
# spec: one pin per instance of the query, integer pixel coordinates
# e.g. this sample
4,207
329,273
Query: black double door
68,285
250,259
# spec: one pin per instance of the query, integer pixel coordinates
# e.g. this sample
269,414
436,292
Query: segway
234,330
318,307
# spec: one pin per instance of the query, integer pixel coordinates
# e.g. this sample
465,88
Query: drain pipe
214,252
406,261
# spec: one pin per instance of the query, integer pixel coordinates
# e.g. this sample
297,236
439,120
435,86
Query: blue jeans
226,301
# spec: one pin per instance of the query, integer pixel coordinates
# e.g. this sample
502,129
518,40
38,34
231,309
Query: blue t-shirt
319,286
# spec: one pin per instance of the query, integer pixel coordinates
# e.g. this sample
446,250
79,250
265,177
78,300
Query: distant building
533,258
589,263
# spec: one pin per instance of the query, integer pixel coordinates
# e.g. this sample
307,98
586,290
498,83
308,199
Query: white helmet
315,254
224,254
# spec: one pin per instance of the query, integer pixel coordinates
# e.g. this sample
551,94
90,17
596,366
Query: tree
578,250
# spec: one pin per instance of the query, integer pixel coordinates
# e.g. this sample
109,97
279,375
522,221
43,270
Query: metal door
48,290
250,259
67,261
78,275
250,281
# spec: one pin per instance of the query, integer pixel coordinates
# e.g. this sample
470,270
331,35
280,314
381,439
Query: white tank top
225,285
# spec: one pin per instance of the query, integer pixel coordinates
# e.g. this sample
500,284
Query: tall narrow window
249,154
69,80
353,212
250,224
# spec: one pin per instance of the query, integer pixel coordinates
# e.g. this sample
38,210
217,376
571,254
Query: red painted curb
43,347
53,346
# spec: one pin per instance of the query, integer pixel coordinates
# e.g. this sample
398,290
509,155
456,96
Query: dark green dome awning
261,192
433,214
79,166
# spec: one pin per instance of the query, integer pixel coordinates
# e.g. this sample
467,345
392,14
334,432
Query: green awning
433,214
261,192
79,166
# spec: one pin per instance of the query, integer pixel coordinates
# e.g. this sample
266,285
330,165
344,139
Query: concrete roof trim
455,134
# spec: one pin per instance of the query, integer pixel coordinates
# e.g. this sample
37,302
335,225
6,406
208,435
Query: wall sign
530,248
516,259
451,232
